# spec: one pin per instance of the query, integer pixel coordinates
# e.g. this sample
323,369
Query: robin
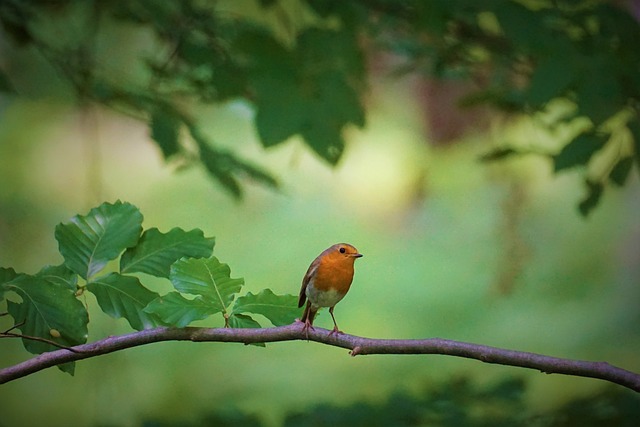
327,281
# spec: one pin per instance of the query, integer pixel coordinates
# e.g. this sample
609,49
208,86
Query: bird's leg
307,318
335,325
306,327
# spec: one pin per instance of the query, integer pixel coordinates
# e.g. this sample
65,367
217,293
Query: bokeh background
490,253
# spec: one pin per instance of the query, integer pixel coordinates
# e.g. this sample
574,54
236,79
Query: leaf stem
40,339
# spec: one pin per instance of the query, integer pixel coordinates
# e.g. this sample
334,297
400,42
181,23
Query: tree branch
357,345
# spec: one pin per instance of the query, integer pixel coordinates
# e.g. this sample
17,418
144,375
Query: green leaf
551,77
254,172
313,90
331,106
594,192
208,278
165,129
50,310
225,166
60,275
273,78
155,251
280,110
579,151
88,242
6,275
124,296
279,309
331,50
175,310
621,171
599,94
524,27
219,169
242,321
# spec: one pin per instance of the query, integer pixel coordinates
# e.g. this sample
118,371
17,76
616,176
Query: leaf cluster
309,86
525,55
301,67
50,314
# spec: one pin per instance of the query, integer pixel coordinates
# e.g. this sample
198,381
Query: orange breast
334,275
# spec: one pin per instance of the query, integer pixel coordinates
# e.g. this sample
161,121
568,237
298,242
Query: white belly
323,299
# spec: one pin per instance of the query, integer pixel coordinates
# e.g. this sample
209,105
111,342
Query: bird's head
343,251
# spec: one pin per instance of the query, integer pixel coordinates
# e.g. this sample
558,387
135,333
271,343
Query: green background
495,254
434,266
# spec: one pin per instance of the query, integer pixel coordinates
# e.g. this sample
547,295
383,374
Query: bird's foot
306,327
336,331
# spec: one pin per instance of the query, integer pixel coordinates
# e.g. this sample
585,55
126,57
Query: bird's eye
342,250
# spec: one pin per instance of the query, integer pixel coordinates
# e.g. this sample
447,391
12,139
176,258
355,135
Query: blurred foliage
456,403
304,73
50,314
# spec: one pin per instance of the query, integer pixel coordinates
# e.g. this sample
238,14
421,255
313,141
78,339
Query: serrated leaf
279,309
124,296
621,170
579,151
6,275
206,277
89,241
60,275
50,310
176,310
156,251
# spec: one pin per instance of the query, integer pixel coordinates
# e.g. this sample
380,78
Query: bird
326,282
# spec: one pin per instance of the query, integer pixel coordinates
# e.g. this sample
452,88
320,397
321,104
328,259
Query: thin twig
8,334
17,325
357,345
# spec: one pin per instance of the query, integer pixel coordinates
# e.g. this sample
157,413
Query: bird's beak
356,255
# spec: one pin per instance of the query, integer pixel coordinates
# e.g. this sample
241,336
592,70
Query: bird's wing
305,281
